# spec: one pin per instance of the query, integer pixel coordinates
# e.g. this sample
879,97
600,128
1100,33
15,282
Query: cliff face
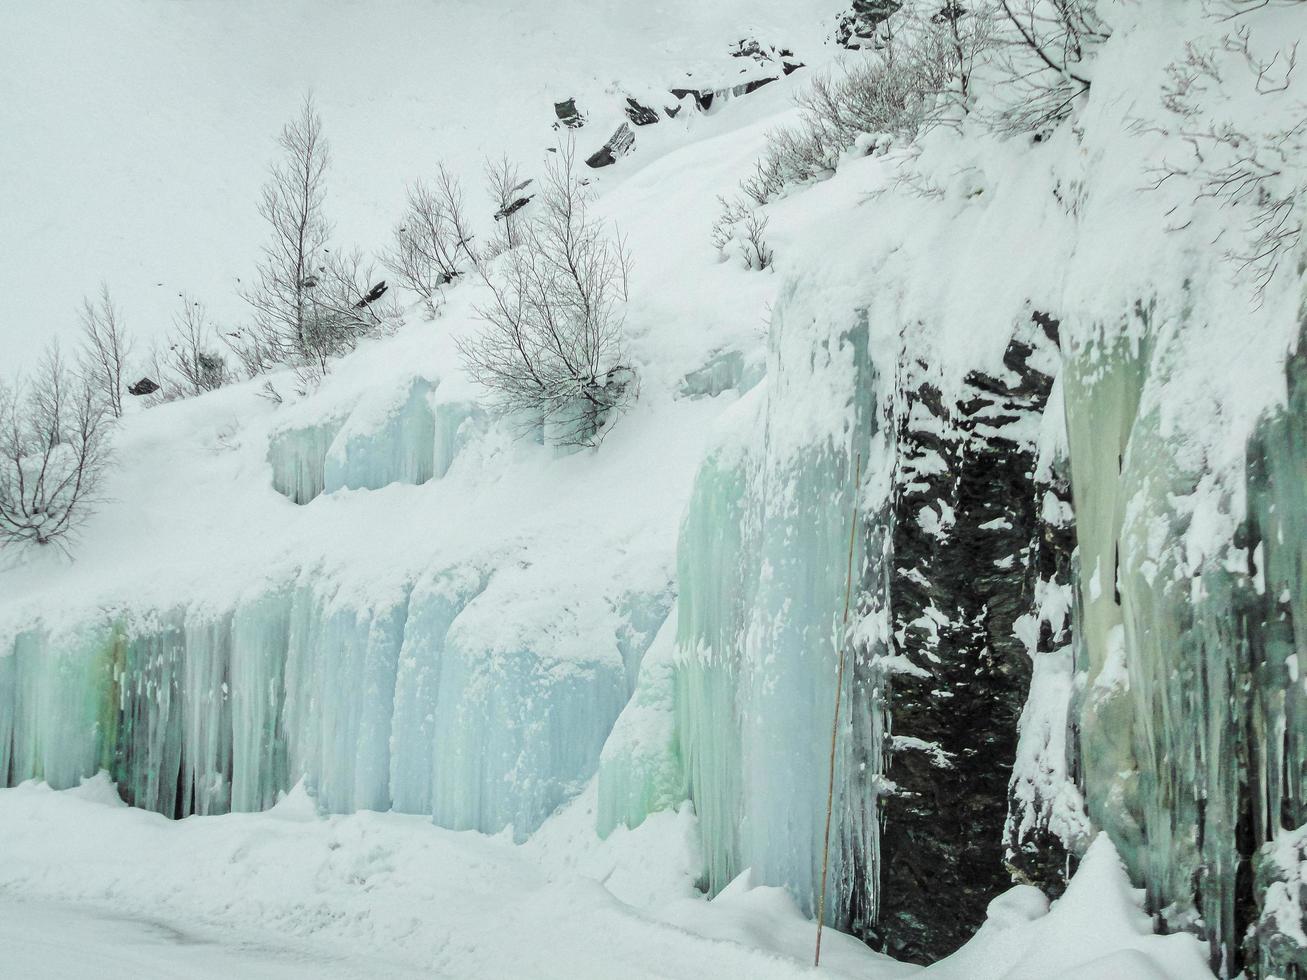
966,531
1058,435
1067,622
1078,535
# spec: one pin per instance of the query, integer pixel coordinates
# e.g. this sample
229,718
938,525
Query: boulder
639,114
568,114
619,144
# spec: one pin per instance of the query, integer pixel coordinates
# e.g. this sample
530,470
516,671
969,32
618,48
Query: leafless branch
309,304
433,244
53,451
510,194
194,364
551,349
105,348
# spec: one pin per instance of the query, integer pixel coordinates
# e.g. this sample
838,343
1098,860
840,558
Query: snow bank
1097,929
391,894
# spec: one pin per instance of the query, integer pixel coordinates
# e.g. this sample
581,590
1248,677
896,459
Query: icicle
392,443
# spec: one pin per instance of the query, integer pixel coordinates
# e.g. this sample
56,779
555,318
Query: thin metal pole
835,725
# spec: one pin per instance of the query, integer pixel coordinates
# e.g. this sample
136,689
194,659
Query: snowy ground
66,942
372,894
91,887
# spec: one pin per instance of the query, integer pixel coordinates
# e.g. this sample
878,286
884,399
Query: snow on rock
1097,929
1172,415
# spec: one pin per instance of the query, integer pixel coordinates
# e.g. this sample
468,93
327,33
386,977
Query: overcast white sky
134,134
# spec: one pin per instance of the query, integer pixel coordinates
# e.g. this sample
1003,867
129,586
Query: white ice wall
443,699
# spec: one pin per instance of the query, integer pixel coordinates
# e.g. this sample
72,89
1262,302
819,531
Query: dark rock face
371,296
965,560
705,98
857,27
619,144
745,88
1034,853
765,55
568,114
749,48
702,97
146,386
639,114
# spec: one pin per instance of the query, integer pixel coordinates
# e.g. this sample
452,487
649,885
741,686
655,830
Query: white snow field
90,887
411,674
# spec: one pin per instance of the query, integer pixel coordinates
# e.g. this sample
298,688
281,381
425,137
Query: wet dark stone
372,295
752,86
750,48
702,97
639,114
754,51
517,204
857,27
568,114
966,556
619,144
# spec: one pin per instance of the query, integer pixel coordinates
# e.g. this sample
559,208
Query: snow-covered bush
1244,124
891,94
432,244
52,452
742,228
928,59
310,303
1041,49
551,348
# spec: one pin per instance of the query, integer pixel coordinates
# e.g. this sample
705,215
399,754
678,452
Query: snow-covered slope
506,601
1056,426
170,111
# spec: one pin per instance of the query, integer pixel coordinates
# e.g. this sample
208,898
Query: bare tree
105,348
552,345
951,42
309,304
53,452
433,244
510,195
247,346
194,363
